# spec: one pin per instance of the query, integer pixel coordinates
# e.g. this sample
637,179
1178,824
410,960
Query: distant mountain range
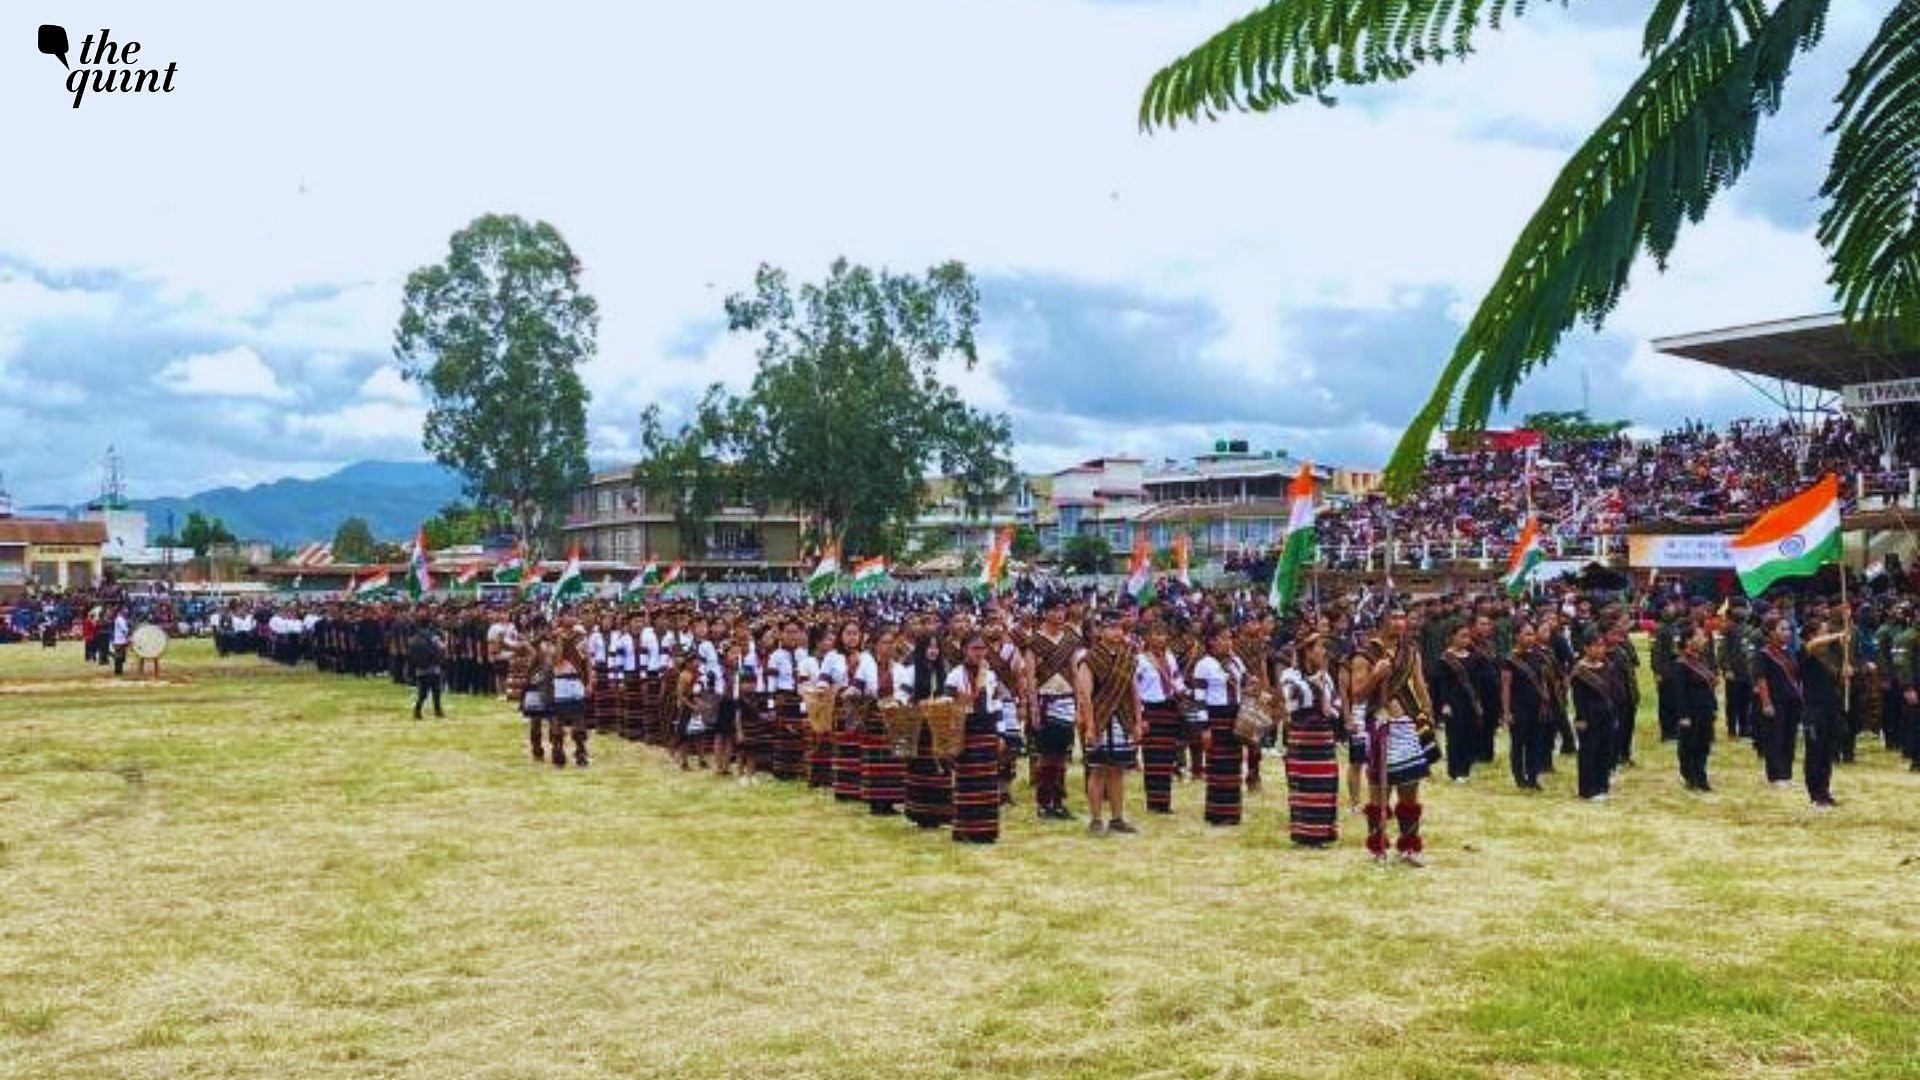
394,497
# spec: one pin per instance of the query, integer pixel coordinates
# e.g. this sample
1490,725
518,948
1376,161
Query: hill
394,497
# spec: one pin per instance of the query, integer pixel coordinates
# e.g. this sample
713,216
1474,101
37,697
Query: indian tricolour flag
419,576
468,574
1526,557
1793,539
869,574
1181,555
645,579
514,568
993,568
1298,551
672,577
1140,572
372,583
572,583
826,575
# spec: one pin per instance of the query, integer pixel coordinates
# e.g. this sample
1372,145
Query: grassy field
257,873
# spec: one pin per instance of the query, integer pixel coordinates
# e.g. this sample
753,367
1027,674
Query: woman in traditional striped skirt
929,783
1313,753
789,723
811,663
1220,678
883,775
837,670
620,676
976,781
1157,681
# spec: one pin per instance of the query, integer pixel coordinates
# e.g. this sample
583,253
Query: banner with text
1680,552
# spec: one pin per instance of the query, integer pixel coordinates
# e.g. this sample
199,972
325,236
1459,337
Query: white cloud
368,425
387,384
237,372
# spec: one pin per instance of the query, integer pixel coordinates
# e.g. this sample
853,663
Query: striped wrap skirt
789,736
1161,750
846,754
929,786
1313,778
1223,765
883,777
976,782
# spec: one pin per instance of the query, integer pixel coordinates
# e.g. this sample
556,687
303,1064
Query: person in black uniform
1522,695
1736,660
1484,666
1777,682
1594,708
1695,708
1824,673
1458,703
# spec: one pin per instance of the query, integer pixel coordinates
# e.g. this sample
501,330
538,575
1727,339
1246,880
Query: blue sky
209,279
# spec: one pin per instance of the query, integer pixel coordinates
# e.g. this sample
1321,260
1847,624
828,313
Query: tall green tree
353,541
458,524
1573,425
847,412
1681,134
202,532
1086,553
496,333
690,472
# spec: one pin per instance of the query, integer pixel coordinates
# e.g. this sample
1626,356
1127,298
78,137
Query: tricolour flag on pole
372,583
514,569
1298,551
825,575
419,576
1180,557
993,568
643,580
1793,539
1140,572
672,577
468,574
572,583
1526,557
868,575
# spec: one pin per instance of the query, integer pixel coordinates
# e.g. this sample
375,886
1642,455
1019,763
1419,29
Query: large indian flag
419,576
1298,551
1526,557
1793,539
644,580
572,584
868,575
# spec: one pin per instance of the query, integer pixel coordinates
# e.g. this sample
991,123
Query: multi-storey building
614,520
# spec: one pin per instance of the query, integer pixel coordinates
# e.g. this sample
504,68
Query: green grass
251,873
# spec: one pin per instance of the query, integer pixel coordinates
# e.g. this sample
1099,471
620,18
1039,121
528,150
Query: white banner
1891,392
1680,552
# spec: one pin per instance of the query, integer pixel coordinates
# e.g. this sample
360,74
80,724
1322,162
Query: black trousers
1623,740
1463,745
1666,706
1696,742
1597,755
423,685
1823,731
1782,733
1524,747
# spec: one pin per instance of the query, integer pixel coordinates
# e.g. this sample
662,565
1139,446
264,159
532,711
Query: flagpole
1846,625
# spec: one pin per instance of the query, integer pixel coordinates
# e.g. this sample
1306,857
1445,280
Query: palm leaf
1296,49
1683,133
1871,226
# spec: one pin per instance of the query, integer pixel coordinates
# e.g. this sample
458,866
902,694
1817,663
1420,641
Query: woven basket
947,722
1253,723
819,703
903,724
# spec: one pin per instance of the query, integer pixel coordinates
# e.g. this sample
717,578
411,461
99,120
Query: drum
1253,723
149,642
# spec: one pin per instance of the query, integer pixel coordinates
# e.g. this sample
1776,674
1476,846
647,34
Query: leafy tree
1026,544
457,525
1682,134
847,410
690,472
1572,426
1086,553
353,541
201,532
496,333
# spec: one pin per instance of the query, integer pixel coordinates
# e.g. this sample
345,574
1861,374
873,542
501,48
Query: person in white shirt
1219,678
976,780
789,722
1158,685
122,635
850,669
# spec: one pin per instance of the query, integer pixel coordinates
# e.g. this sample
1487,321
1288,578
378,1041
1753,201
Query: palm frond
1871,226
1296,49
1683,133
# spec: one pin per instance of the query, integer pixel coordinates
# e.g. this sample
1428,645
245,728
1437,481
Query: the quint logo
106,66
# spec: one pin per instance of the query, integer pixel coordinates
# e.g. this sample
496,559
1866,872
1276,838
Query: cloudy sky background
209,279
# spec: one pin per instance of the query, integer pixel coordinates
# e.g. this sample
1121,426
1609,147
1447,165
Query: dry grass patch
257,873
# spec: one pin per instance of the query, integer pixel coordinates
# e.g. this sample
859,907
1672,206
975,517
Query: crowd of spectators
1583,489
